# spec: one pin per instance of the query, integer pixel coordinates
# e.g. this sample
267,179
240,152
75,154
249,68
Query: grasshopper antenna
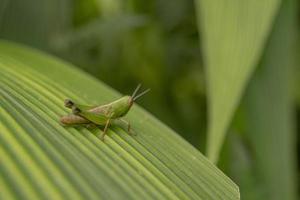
136,90
141,94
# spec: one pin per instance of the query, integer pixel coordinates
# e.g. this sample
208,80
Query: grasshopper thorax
120,107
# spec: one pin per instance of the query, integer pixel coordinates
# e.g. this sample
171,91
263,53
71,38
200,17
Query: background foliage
165,45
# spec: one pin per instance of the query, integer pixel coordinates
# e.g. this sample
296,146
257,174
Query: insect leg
105,129
91,126
128,125
129,129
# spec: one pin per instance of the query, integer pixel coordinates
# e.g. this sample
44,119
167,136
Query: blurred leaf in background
234,33
270,136
34,22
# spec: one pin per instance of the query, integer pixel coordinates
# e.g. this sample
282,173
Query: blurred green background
157,43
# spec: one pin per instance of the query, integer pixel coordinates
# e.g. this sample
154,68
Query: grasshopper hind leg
91,126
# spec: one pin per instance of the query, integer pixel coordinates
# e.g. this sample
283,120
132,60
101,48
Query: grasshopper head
123,105
120,107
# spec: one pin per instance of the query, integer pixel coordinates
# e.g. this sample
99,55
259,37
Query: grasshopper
103,115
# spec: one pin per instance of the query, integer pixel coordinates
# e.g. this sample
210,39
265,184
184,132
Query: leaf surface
39,158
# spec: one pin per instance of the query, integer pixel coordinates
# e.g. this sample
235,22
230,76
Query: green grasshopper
103,115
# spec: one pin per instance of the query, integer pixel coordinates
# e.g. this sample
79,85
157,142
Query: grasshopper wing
96,118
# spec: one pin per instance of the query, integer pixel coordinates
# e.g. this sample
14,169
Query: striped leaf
39,158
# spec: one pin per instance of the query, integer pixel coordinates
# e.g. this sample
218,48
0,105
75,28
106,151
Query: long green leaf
233,35
270,112
39,158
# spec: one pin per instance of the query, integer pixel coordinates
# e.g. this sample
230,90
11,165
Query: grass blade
271,128
233,36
